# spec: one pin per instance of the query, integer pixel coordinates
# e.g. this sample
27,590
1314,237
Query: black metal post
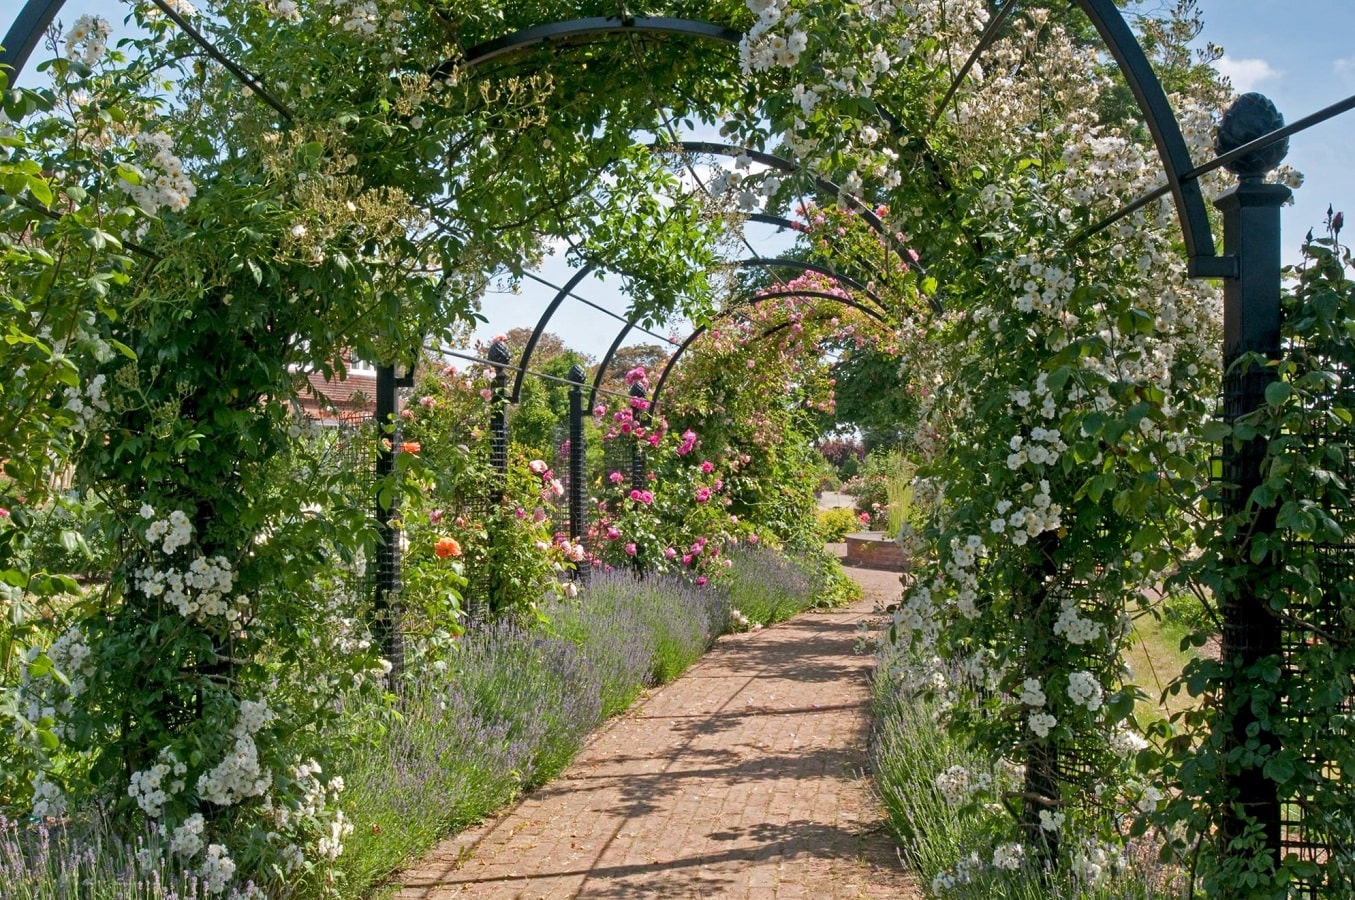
387,600
478,605
639,406
1251,328
499,357
578,476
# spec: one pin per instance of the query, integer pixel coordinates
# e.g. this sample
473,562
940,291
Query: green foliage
836,524
1278,551
453,493
912,755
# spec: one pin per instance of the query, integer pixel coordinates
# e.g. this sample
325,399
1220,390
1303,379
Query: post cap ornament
1250,117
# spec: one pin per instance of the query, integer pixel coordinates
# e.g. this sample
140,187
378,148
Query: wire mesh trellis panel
1317,825
557,507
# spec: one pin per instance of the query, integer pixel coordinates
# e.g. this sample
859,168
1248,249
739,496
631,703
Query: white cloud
1246,74
1345,70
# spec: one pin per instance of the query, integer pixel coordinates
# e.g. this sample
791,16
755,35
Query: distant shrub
836,524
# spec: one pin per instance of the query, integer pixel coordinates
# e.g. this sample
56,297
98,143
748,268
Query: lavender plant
615,640
60,860
765,586
685,619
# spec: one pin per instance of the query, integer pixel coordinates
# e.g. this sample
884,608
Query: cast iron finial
637,389
576,374
1251,116
498,354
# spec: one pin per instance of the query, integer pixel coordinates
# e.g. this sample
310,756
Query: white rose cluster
315,806
749,192
87,404
286,10
964,556
959,785
151,788
1031,693
1092,861
1073,627
965,871
188,839
42,697
361,17
163,182
764,45
217,869
48,800
1126,742
1085,690
200,592
1042,723
170,533
87,39
1009,857
240,774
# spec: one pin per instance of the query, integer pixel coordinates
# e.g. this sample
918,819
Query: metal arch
1166,131
656,394
782,164
822,295
760,262
37,15
26,33
540,329
763,262
606,363
596,26
668,367
1105,18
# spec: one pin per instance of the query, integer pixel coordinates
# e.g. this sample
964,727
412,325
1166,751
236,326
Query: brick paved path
744,778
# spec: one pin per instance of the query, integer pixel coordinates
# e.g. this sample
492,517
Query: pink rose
631,549
707,467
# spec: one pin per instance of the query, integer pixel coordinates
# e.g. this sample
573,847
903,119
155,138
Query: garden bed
875,550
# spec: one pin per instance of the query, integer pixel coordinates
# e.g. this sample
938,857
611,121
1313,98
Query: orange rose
410,447
447,547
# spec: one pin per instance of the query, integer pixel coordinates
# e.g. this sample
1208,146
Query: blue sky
1300,53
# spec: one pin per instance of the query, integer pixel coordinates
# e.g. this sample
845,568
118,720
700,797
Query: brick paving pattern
745,778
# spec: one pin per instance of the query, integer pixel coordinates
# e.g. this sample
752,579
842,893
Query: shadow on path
744,778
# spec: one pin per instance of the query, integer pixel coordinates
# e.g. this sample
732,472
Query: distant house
333,402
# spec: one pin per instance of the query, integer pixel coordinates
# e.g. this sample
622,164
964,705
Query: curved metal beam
818,295
782,164
576,29
1124,47
1166,131
655,395
753,300
26,33
763,262
540,329
606,364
